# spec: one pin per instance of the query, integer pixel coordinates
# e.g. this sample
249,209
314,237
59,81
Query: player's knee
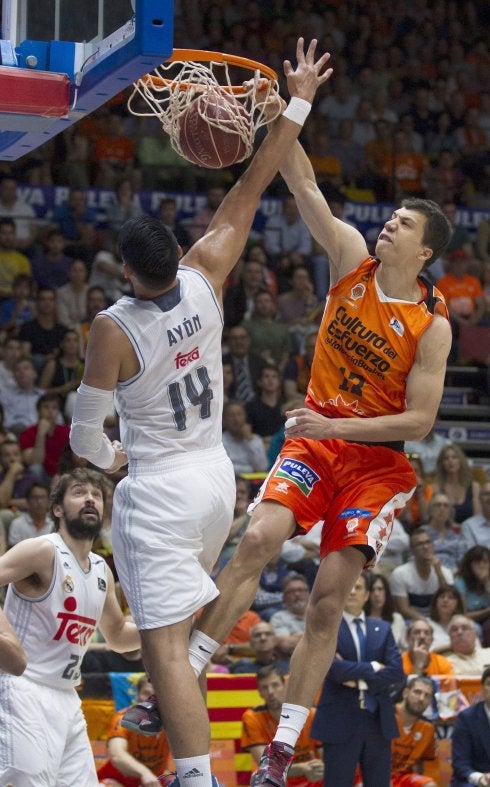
323,614
257,546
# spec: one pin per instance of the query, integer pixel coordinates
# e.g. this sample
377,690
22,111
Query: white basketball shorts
170,521
43,741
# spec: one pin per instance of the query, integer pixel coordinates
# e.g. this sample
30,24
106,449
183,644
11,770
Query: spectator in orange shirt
462,291
113,154
464,296
326,165
417,741
418,659
405,167
134,759
416,512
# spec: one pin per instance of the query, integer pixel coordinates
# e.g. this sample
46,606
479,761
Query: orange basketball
208,145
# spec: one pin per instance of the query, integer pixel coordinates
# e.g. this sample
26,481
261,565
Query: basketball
209,145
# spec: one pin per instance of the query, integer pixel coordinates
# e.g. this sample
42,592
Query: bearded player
59,593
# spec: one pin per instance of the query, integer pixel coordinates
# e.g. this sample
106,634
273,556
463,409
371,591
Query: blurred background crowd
407,112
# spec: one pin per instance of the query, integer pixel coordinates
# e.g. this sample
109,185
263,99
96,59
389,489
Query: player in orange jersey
416,743
376,380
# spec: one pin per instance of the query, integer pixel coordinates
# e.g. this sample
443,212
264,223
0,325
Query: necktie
366,699
362,639
243,389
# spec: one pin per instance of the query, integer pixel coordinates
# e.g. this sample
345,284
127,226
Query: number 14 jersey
174,403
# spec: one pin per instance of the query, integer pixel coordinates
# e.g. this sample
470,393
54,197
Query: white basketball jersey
55,629
174,404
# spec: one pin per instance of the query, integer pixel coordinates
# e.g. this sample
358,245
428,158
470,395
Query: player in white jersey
59,592
161,353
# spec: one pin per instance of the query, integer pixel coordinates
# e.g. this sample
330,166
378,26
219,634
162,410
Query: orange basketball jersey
366,346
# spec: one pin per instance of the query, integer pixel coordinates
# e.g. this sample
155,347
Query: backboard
61,59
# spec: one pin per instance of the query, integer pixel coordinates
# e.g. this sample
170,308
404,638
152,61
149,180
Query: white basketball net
178,83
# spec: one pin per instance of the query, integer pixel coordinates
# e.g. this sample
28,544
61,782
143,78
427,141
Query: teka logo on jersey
300,474
182,359
75,628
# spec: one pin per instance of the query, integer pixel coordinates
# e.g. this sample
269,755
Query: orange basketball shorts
356,489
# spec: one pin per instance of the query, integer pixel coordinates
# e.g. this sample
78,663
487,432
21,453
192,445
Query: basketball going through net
210,121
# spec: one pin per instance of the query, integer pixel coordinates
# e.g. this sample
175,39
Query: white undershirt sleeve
87,438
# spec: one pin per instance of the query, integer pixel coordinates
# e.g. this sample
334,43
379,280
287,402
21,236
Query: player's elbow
16,662
420,425
20,664
304,189
77,443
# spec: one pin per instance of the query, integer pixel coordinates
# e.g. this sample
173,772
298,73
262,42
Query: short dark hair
36,485
438,230
48,397
485,675
294,578
419,531
421,679
267,671
83,475
151,249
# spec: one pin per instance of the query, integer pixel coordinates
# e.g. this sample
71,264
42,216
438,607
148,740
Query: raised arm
217,252
344,245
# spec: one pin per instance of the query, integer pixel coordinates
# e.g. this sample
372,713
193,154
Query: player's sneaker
172,780
144,717
274,765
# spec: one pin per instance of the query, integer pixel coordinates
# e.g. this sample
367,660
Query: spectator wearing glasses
289,623
449,545
414,583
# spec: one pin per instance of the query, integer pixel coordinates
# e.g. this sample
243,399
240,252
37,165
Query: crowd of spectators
397,119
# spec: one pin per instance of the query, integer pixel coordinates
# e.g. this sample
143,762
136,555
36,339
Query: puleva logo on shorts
354,513
300,474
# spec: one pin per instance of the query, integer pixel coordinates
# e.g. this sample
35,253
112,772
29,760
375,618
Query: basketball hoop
197,84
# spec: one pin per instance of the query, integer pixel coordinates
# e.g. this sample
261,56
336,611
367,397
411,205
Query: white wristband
297,110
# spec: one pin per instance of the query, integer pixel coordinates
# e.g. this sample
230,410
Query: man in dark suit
355,717
471,741
246,366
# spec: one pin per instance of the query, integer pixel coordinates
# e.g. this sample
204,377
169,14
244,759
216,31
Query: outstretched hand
304,81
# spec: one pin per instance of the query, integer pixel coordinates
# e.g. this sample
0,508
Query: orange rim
207,57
